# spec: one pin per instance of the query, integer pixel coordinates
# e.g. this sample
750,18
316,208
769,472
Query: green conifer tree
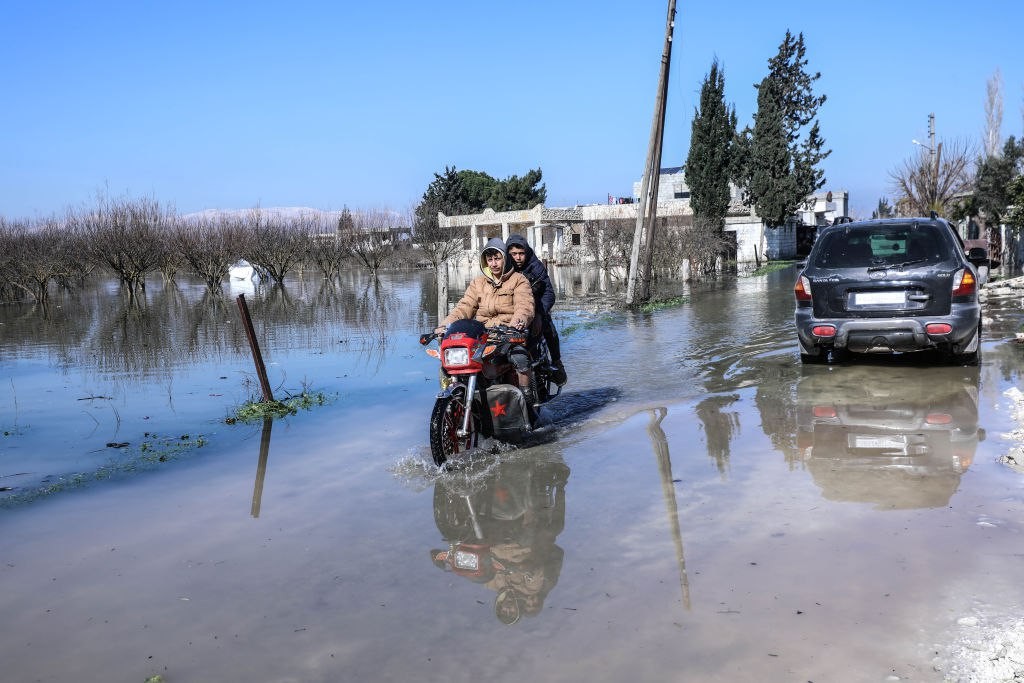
709,161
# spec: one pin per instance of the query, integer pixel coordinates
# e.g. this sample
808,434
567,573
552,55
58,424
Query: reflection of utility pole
261,468
660,444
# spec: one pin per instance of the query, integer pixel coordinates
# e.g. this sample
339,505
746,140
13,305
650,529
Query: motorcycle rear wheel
446,421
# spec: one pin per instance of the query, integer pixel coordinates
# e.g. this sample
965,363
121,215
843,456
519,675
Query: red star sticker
498,409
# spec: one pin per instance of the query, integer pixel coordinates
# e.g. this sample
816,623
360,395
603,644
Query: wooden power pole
647,208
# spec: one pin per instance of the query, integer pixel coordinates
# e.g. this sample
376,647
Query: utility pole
647,208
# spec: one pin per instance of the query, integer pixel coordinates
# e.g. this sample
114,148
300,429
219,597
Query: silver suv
889,286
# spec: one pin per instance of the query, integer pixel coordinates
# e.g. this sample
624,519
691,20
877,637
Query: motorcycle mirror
426,338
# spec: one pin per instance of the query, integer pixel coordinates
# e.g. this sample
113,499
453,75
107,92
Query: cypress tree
783,168
709,161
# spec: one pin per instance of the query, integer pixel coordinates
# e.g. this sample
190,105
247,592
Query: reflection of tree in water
172,325
719,427
776,402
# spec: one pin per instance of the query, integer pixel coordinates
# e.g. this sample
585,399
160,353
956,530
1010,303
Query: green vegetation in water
150,454
771,267
601,321
661,304
257,411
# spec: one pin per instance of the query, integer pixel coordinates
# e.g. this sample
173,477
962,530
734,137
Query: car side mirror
977,255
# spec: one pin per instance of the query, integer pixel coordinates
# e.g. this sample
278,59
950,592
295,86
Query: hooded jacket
536,273
496,298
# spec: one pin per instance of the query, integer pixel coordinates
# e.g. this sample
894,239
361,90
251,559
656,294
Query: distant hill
286,213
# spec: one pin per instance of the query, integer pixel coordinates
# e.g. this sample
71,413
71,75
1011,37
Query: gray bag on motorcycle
508,411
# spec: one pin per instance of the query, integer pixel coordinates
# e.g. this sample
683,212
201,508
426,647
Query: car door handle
919,297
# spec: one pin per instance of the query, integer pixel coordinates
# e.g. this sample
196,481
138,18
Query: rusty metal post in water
257,357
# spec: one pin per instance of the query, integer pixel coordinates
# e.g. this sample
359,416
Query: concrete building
558,234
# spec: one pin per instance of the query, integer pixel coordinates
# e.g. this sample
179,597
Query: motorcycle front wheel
445,423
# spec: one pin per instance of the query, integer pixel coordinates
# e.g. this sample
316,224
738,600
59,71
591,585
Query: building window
576,239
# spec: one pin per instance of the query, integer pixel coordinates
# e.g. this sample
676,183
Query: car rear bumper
890,335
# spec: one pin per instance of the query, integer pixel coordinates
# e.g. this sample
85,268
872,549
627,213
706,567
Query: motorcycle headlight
464,560
458,355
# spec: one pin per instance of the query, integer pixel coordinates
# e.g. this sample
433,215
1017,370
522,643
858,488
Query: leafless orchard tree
128,238
703,245
328,250
36,254
440,246
992,137
931,181
609,242
274,246
371,242
208,247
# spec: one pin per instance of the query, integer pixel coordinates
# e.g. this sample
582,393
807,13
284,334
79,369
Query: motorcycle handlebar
498,333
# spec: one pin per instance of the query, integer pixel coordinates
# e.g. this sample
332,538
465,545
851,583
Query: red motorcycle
480,397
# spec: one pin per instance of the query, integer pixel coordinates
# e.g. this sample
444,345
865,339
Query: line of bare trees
133,239
608,243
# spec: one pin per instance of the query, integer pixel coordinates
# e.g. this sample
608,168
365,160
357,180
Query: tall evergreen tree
782,169
709,161
515,192
477,189
993,178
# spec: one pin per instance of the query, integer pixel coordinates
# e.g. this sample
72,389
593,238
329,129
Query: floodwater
701,508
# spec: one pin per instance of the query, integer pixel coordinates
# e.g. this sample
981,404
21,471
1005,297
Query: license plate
877,442
875,298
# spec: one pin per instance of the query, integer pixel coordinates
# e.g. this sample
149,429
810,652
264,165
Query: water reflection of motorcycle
476,373
501,531
899,439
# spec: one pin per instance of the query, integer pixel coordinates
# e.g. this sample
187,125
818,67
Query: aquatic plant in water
254,411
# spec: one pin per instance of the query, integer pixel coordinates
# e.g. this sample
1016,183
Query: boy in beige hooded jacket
500,296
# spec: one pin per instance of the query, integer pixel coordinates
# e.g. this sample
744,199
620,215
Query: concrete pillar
474,238
504,232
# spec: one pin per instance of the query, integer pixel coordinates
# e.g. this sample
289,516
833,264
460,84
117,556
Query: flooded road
702,507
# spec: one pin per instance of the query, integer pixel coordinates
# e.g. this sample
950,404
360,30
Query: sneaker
558,375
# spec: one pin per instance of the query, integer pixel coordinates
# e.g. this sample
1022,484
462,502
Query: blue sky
329,104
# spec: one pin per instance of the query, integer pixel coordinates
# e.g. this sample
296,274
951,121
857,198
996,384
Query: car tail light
964,283
802,288
938,419
938,328
823,331
824,411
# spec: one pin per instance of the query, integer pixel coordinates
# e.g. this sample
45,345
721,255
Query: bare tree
208,247
36,254
329,250
128,238
371,241
609,242
274,246
931,180
439,245
703,246
992,137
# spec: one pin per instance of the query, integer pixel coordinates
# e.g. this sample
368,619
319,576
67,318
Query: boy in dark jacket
527,263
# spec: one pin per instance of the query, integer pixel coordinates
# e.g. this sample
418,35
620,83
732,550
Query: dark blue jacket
536,273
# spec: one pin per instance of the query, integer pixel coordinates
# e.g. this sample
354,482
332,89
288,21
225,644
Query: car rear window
881,246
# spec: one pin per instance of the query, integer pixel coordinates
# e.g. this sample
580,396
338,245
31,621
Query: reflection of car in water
500,527
899,437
